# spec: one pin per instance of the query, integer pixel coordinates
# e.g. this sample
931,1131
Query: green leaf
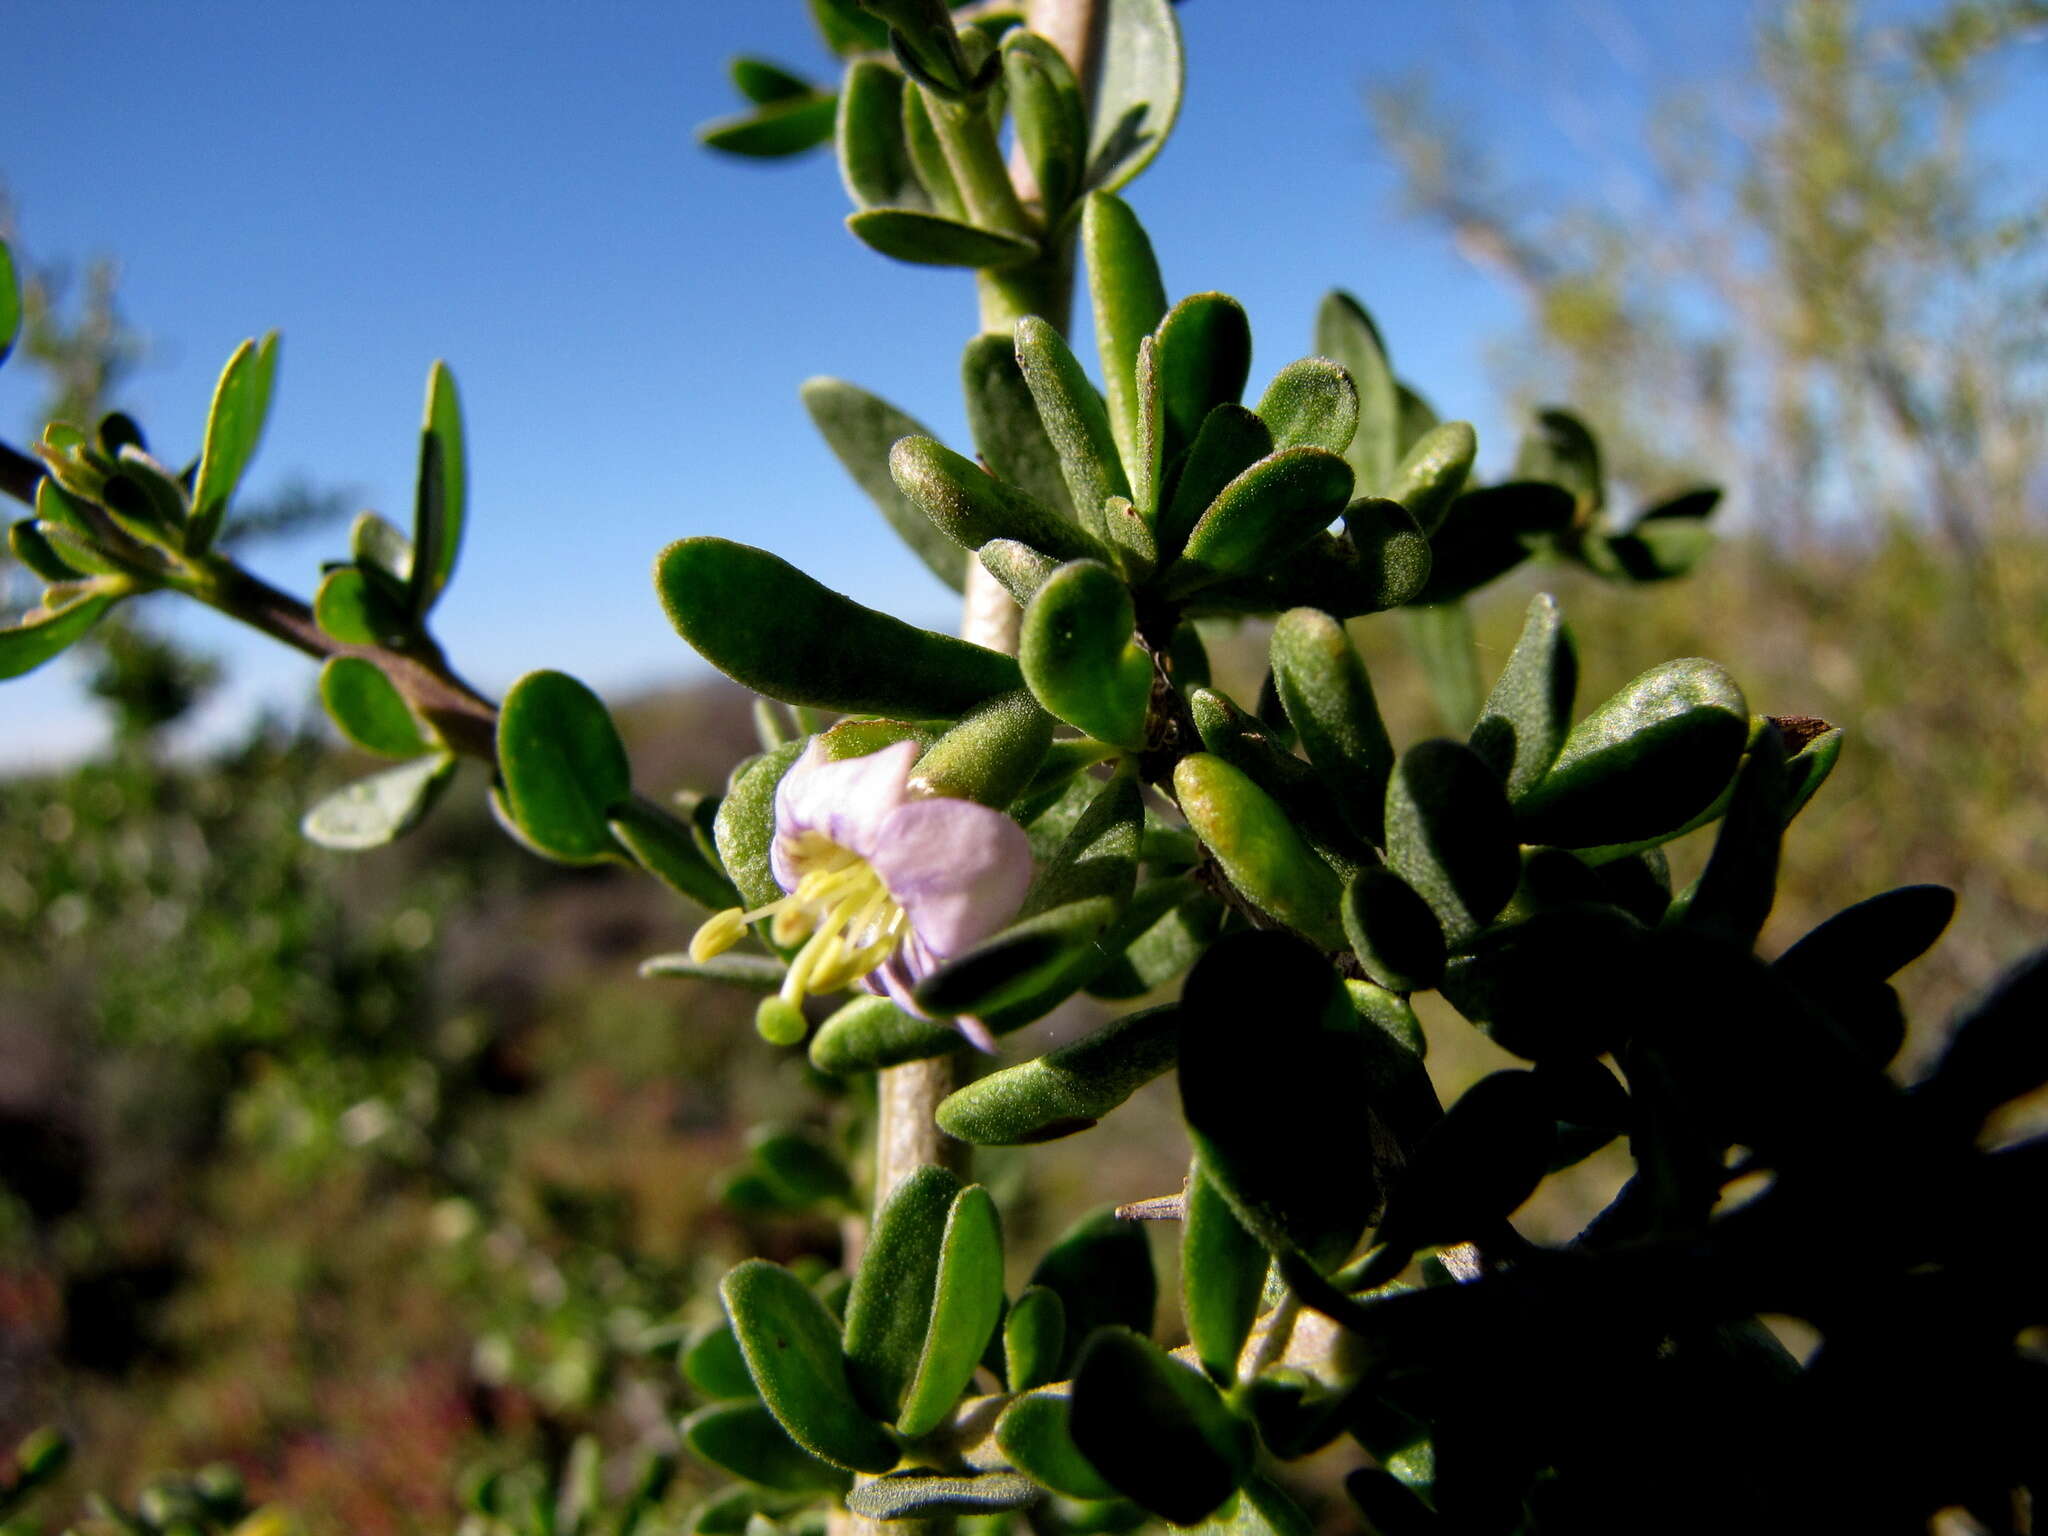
1525,720
1277,505
1129,301
1098,855
442,501
847,28
1137,90
1329,701
928,162
1222,1276
375,543
771,628
926,1495
1874,939
933,240
1015,965
1451,835
990,756
1067,1089
1810,767
802,1168
1051,120
1258,846
1997,1051
755,973
1669,539
1035,1436
792,1348
563,767
145,499
1642,763
1734,893
1156,1429
1273,1085
874,161
746,1440
354,606
1021,569
1230,440
662,845
1346,333
1440,635
1561,984
870,1033
32,547
10,301
1075,420
860,429
1559,449
967,1304
745,827
1428,479
1311,403
234,425
1101,1267
971,507
1260,1509
371,812
1490,531
713,1364
46,632
1079,655
1003,419
1393,931
1204,355
889,1311
787,127
370,710
1164,950
1034,1340
762,82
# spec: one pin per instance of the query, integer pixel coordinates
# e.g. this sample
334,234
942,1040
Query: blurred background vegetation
367,1174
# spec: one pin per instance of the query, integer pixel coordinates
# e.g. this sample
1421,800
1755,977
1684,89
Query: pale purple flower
884,885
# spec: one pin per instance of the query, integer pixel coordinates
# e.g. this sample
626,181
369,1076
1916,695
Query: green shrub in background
962,834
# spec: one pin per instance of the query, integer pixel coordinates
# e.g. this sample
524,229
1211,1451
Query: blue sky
515,188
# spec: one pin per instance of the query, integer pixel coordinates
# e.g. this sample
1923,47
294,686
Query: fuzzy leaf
370,710
860,428
933,240
563,766
1066,1090
1156,1429
792,1349
1079,656
234,425
373,811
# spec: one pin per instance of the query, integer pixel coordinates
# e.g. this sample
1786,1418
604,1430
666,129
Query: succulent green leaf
1451,835
971,507
1162,951
1669,539
663,845
1346,333
791,1343
48,632
874,161
870,1033
442,502
1098,855
1079,655
1562,984
1874,939
889,1311
847,28
990,756
1393,931
1021,569
370,710
357,607
1021,961
145,499
1075,420
767,625
926,1495
1229,440
1156,1429
762,82
1524,722
1204,347
967,1304
1034,1435
371,812
1258,846
1129,302
1260,1509
10,301
1997,1051
1137,90
1809,769
712,1363
745,826
746,1440
1222,1276
1311,403
754,973
562,765
1560,449
1275,1114
1003,418
933,240
32,547
1488,532
1034,1339
1052,122
234,425
1101,1267
1277,505
786,127
1067,1089
802,1168
1433,472
927,154
1329,701
1733,895
376,543
1642,763
860,429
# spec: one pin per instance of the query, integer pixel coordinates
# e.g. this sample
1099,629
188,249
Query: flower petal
959,869
846,801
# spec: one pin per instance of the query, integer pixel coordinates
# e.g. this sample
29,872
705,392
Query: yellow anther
718,934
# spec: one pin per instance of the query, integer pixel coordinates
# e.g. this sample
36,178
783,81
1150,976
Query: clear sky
515,187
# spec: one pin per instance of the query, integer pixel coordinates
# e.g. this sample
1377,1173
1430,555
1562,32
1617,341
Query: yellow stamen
718,934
